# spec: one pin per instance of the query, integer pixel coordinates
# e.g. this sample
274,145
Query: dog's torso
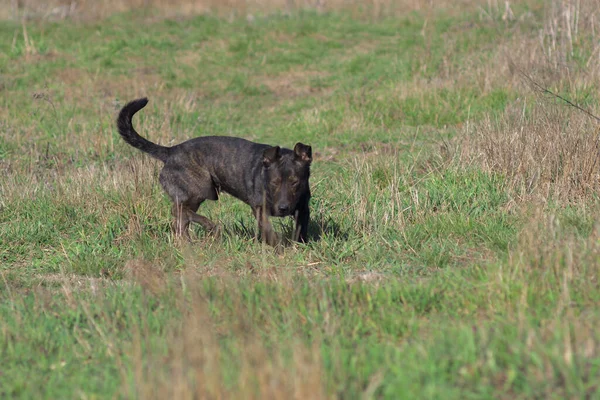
235,165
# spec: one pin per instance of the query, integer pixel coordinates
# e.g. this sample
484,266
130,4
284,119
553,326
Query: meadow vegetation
455,237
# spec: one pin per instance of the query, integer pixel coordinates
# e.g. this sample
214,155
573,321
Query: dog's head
286,178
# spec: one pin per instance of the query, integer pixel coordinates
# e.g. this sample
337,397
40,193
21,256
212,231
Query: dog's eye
293,181
276,182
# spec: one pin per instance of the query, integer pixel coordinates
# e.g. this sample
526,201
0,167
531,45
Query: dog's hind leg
185,214
206,223
181,223
187,191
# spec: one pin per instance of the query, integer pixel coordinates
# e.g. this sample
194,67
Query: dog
273,181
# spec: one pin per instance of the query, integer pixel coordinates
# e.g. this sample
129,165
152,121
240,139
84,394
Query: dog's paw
276,240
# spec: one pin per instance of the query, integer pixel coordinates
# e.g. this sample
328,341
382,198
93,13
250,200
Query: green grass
430,275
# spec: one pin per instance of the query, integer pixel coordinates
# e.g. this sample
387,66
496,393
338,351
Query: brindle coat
271,180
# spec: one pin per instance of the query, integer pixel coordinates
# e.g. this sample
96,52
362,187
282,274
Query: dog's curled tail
132,137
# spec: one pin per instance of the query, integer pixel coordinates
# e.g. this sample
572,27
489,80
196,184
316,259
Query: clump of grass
546,152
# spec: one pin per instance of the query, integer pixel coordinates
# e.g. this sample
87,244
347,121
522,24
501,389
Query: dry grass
550,153
569,25
545,148
292,83
566,51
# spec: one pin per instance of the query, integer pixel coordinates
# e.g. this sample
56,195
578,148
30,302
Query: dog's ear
303,153
271,155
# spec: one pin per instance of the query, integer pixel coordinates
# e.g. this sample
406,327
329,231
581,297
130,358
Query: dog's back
234,164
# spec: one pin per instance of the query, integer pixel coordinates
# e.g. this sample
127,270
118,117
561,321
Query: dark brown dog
271,180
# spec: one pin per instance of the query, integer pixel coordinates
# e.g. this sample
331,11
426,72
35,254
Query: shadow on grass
328,227
317,228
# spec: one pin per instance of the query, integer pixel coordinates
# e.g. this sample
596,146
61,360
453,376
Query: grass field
455,238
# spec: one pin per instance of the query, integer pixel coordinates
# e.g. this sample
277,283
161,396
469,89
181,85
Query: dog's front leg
302,217
264,226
